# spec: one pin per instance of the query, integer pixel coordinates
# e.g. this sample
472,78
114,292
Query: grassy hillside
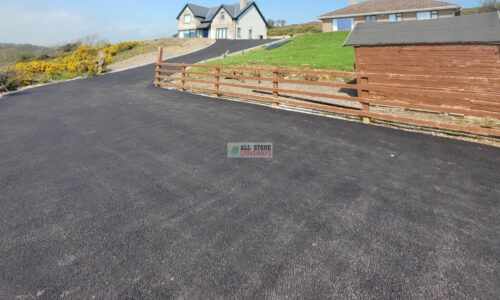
481,9
12,53
312,27
318,51
470,11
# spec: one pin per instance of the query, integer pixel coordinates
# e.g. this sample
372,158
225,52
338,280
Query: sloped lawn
318,51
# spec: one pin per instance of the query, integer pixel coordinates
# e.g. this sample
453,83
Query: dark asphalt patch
113,188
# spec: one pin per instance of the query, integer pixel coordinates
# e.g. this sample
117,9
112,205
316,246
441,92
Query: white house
237,21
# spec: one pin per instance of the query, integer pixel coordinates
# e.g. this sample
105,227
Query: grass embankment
470,11
487,7
12,53
317,51
311,27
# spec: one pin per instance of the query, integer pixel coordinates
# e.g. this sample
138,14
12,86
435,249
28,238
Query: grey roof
198,11
207,13
473,29
204,25
389,6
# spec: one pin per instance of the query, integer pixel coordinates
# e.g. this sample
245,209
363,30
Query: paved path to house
113,188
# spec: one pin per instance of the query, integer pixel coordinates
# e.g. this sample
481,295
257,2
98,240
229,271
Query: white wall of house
251,20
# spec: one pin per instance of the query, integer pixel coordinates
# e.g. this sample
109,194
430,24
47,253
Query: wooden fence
367,93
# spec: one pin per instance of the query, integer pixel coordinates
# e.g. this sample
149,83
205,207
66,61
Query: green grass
481,9
317,51
470,11
311,27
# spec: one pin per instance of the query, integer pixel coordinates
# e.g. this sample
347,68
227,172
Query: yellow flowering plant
82,62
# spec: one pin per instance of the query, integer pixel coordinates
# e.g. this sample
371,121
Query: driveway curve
111,188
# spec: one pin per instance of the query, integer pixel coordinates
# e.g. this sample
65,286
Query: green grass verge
470,11
317,51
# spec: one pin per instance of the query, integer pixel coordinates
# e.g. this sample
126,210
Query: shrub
25,56
81,62
69,47
9,80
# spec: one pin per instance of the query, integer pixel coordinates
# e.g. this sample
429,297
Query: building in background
386,11
243,20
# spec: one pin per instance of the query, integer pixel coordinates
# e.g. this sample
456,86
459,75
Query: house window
343,24
250,34
434,14
238,33
189,33
222,15
221,33
187,19
371,18
423,15
396,17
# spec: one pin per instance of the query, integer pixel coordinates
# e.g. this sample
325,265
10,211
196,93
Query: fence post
363,94
158,67
217,80
100,62
183,76
275,87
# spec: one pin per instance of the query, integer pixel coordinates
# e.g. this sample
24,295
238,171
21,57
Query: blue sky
52,22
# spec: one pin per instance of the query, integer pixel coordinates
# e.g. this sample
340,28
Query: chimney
243,4
352,2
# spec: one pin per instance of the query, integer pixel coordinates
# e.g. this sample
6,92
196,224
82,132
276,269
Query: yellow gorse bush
82,62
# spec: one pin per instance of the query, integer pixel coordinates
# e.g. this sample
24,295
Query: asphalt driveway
115,189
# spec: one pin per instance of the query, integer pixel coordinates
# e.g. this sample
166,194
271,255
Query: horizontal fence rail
479,97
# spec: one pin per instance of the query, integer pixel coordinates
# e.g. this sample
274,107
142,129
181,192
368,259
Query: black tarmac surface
115,189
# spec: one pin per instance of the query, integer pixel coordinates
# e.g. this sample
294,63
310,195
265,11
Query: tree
489,6
271,23
281,22
69,47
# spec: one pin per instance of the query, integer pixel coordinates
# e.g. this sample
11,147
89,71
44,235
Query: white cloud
37,23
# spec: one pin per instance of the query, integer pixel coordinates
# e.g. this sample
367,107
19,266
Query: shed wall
466,76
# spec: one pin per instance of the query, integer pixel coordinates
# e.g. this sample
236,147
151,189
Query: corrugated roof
385,6
473,29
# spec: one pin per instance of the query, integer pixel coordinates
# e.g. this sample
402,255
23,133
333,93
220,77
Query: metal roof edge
389,12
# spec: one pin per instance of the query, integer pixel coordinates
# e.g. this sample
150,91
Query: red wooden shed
453,62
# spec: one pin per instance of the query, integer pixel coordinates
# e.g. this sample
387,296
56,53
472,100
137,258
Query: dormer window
187,19
222,15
